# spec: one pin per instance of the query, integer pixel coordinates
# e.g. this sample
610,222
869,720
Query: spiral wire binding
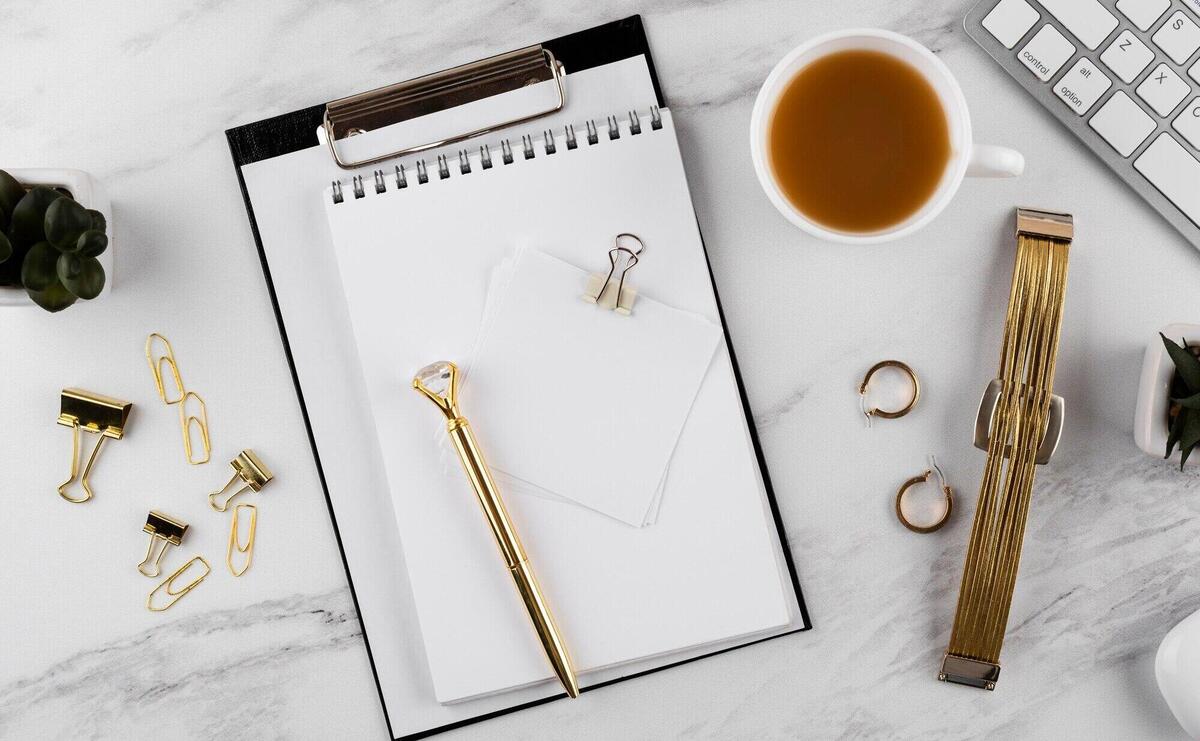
528,152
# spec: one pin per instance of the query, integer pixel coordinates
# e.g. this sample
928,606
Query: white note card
582,401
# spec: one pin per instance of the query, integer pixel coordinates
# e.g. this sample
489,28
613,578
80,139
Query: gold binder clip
164,531
200,421
602,291
99,415
156,367
235,543
250,470
169,584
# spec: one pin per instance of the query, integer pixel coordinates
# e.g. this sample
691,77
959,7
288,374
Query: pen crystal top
435,377
438,382
94,411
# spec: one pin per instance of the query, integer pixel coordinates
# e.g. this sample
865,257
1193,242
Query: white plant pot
90,194
1153,400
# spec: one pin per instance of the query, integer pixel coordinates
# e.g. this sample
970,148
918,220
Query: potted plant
1167,417
54,238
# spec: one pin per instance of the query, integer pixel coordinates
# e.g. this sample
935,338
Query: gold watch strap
1018,426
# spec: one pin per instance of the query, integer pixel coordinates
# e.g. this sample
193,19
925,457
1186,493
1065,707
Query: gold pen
439,383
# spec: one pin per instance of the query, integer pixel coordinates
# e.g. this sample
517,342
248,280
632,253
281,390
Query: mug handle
990,161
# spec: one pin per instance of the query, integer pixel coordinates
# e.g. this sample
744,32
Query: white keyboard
1124,75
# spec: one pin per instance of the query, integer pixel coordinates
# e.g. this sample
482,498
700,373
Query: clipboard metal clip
99,415
603,291
439,91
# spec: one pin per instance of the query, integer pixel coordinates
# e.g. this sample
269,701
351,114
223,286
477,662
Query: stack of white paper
416,265
578,402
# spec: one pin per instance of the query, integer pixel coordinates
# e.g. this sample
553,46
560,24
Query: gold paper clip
99,415
164,532
600,288
200,420
168,585
250,470
166,359
235,543
156,367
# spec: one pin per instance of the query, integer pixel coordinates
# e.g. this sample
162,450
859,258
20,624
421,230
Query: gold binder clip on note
193,412
250,470
168,586
611,294
99,415
164,531
235,543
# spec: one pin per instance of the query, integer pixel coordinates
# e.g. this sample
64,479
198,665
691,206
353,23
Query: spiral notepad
416,244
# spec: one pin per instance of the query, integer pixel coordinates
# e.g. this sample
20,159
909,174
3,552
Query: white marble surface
141,94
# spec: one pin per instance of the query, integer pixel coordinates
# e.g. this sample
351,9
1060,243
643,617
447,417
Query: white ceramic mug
966,157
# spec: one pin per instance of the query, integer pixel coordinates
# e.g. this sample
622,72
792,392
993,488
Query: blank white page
415,266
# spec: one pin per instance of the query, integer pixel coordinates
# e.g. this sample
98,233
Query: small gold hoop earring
872,412
946,491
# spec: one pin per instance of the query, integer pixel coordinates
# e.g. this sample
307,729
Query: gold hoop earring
923,478
872,412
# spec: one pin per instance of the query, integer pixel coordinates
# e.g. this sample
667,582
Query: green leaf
6,248
90,281
1191,431
1191,402
99,223
1190,437
65,221
10,269
40,270
91,243
1186,364
1175,433
29,216
11,192
54,298
69,267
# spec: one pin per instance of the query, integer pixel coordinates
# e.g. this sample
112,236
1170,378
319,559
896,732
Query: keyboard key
1163,90
1122,123
1087,19
1009,21
1127,56
1082,86
1047,52
1169,167
1178,37
1188,124
1143,13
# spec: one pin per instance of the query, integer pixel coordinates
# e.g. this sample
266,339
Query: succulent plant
49,244
1183,416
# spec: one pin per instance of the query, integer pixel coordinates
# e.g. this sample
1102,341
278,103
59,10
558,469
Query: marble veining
140,96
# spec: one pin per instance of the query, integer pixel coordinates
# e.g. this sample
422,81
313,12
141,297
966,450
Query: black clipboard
291,132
